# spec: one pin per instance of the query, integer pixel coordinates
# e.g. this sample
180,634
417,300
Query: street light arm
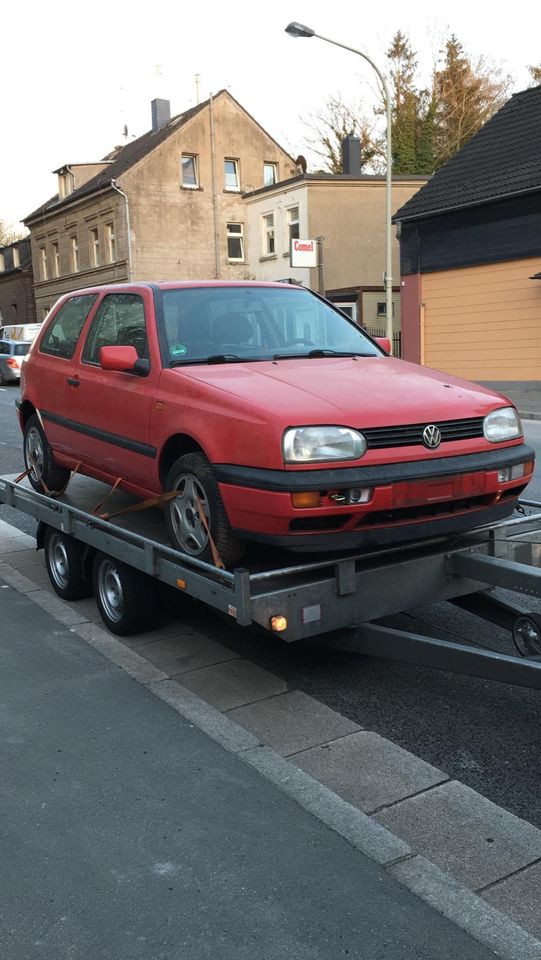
365,56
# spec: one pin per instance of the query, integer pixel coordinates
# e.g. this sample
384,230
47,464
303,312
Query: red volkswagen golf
271,414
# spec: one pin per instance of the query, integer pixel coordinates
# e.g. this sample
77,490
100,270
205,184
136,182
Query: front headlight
502,425
317,444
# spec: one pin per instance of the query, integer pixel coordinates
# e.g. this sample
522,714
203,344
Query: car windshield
228,324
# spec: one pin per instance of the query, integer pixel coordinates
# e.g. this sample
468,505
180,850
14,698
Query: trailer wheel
126,598
527,635
65,561
39,460
191,475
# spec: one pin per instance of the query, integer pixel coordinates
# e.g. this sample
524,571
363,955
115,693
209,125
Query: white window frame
111,242
235,235
55,258
74,246
2,262
268,235
94,247
193,157
44,266
293,223
227,187
270,168
16,258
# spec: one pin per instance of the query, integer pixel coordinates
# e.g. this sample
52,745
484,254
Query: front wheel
197,510
44,473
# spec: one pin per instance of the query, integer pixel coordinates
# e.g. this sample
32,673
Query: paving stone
13,540
167,628
180,654
464,833
368,771
293,722
22,557
233,684
520,897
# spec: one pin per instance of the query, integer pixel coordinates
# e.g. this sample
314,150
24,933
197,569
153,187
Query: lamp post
299,30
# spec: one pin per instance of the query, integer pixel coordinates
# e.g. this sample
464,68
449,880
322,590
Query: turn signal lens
278,624
308,499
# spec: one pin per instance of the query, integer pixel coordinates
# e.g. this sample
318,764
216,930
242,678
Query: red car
273,415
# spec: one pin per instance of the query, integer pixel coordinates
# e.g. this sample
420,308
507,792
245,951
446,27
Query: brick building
16,284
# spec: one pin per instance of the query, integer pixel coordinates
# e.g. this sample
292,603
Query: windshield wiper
214,358
319,352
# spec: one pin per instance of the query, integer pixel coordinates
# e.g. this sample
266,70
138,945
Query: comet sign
303,253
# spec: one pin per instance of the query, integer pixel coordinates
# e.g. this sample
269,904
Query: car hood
360,392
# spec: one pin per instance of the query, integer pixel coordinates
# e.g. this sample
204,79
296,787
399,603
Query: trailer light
278,624
181,584
306,500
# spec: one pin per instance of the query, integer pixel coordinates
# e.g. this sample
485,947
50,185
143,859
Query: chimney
351,155
161,114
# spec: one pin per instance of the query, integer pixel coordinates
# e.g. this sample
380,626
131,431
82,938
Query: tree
467,94
405,104
535,73
9,233
331,124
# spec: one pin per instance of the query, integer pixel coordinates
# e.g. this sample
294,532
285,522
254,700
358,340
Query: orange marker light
278,624
307,499
181,584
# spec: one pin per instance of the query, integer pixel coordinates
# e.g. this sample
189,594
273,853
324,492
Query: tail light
12,363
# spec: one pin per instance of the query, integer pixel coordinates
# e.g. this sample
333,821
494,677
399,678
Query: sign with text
303,253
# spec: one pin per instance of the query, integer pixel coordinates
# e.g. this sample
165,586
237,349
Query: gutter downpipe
214,196
128,228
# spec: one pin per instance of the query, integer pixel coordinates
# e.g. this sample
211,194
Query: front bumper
409,500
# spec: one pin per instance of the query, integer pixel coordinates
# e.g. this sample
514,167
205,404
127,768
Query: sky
75,75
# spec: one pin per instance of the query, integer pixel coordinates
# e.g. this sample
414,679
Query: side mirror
384,343
123,360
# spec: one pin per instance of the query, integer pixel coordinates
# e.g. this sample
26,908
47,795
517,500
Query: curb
440,890
529,416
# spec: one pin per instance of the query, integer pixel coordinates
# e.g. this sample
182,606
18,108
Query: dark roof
503,159
128,156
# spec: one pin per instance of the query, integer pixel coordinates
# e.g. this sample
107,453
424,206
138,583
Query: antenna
197,82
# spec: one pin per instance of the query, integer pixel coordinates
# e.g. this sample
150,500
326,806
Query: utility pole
320,279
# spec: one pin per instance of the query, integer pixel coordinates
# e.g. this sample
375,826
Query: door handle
73,381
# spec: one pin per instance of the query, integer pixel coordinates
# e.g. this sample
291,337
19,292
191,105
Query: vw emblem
431,436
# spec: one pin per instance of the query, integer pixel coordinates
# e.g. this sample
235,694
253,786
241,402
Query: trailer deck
320,597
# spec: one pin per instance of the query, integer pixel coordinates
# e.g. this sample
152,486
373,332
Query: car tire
67,565
193,477
127,599
43,471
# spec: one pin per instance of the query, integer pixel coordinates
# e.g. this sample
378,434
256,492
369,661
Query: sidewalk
129,833
527,401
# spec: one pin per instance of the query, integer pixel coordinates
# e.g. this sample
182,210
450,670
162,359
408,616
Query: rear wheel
43,471
127,599
66,565
197,497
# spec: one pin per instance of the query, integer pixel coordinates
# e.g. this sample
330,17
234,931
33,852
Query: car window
20,349
4,347
119,322
61,337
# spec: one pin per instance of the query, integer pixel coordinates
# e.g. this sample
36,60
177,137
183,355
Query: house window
16,258
43,263
74,254
94,247
268,235
65,184
270,174
231,169
235,241
111,241
2,263
189,171
56,260
293,224
381,310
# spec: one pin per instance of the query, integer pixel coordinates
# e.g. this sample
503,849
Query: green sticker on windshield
178,350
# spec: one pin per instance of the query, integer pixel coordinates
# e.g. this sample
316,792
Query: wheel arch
26,410
176,446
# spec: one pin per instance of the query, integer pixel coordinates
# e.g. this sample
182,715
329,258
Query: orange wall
483,323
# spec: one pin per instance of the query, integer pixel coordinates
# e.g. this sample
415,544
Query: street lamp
300,30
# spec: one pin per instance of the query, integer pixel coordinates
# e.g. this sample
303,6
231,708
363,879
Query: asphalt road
481,733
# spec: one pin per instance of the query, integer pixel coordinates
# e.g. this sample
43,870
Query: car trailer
123,562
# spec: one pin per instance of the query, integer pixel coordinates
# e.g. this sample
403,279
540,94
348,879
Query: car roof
179,285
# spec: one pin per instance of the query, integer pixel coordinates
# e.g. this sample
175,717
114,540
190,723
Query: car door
110,410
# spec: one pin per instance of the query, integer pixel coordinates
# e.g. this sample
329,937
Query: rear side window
61,338
20,349
4,347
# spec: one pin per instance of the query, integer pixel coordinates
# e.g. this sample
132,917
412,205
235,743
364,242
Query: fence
397,339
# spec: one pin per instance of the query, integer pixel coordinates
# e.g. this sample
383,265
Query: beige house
348,211
166,206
